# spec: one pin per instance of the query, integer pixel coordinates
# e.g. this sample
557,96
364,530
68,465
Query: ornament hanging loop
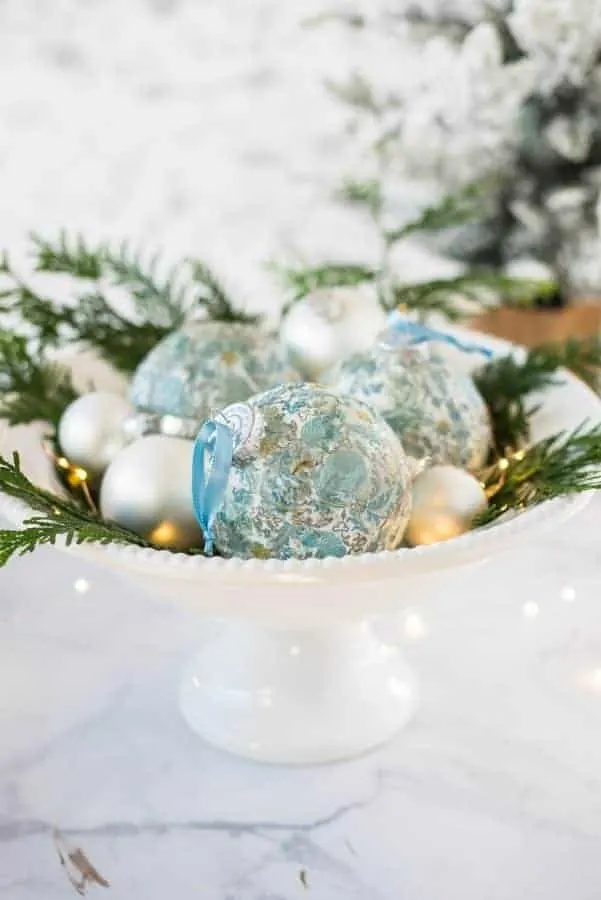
211,464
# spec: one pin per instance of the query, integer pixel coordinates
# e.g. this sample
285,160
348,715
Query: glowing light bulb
530,610
81,585
568,594
414,626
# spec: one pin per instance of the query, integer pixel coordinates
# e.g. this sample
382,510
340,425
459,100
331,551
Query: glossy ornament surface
330,324
91,430
328,478
147,489
203,367
430,404
445,502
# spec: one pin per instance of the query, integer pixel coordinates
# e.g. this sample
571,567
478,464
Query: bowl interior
262,587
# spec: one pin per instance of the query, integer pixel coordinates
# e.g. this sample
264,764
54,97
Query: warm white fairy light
591,681
568,594
414,626
530,610
81,585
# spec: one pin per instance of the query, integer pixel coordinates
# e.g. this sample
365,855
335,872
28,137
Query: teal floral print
330,478
205,366
435,409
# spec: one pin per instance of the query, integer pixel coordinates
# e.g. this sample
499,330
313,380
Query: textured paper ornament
445,502
328,325
327,477
147,489
433,407
200,369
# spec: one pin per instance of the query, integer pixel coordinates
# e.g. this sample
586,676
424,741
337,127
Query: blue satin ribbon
417,333
211,464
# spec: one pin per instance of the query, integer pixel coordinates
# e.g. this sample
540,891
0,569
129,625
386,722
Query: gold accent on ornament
164,535
76,477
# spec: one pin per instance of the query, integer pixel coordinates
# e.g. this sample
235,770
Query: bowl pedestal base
297,696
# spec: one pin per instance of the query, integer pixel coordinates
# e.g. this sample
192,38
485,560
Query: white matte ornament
330,324
91,430
445,502
147,489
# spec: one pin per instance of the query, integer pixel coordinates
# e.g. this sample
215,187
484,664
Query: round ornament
434,407
328,477
329,324
92,430
147,489
445,502
200,369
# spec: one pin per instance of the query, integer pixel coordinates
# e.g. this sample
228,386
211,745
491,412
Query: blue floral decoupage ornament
434,408
201,368
299,472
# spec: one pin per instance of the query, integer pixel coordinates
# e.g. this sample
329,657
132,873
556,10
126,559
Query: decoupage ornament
92,431
147,489
330,324
445,503
431,405
299,472
200,369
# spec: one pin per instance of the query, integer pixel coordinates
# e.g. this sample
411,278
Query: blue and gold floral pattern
435,409
205,366
329,478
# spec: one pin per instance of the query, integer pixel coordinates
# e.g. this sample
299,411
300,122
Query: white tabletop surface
493,791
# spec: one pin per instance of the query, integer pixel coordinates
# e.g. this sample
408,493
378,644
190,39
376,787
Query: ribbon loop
415,333
211,463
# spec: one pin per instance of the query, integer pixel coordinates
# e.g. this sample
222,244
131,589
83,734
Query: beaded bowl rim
452,553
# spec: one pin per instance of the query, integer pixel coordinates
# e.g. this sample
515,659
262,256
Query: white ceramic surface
299,676
492,791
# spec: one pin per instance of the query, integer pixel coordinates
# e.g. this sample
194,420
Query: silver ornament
91,430
445,502
330,324
147,488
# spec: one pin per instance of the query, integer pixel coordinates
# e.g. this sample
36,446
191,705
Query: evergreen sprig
215,298
161,299
301,281
93,322
58,519
457,298
563,464
32,390
508,383
453,210
68,255
161,302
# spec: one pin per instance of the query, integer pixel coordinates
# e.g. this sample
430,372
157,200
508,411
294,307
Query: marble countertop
493,791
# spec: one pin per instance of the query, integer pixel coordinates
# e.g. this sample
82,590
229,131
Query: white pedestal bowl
296,672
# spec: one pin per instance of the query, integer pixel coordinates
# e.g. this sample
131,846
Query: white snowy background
196,125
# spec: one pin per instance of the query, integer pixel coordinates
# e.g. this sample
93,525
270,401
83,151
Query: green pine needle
31,390
566,463
459,298
214,297
69,255
302,281
58,519
366,194
507,383
93,322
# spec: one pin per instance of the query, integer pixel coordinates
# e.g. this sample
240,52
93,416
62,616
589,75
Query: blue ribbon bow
417,333
211,464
